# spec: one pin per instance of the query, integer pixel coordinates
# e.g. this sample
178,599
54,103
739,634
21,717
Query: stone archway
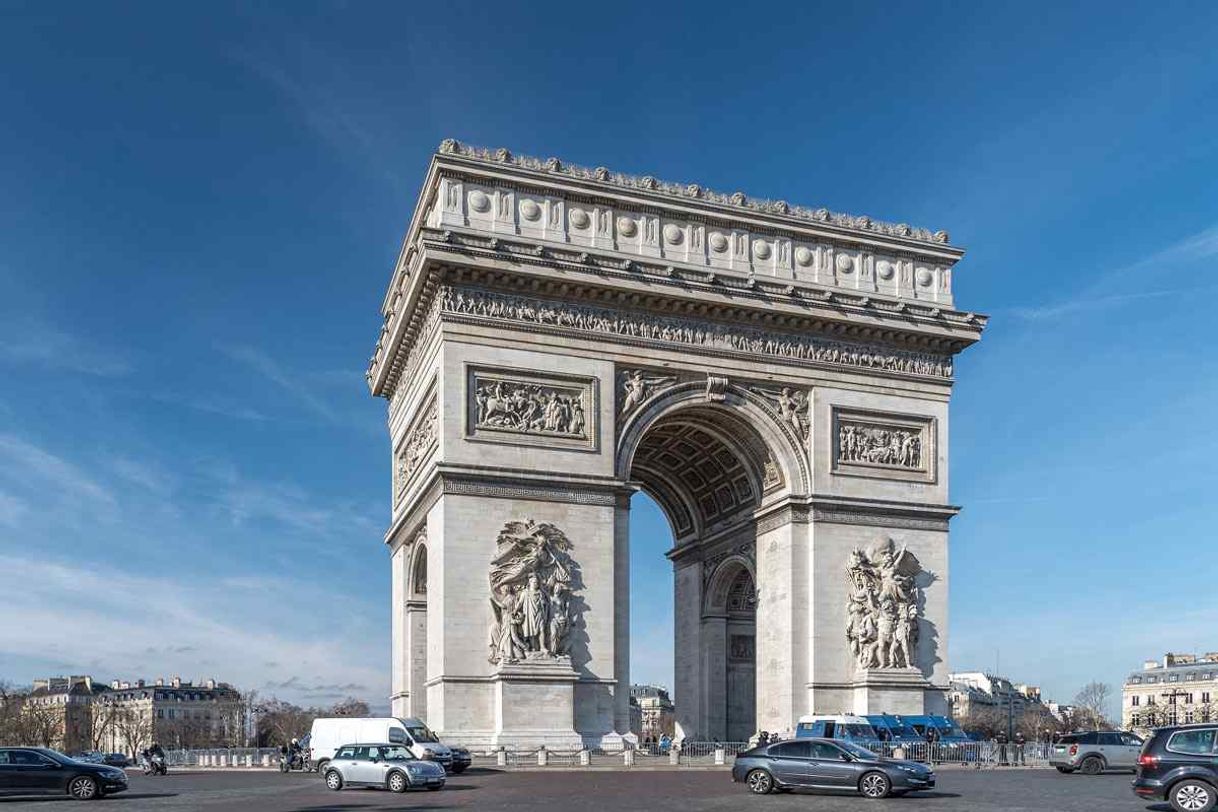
556,338
710,466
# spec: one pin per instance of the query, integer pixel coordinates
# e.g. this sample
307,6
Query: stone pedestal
535,704
890,690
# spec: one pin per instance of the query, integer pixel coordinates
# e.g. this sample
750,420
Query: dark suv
1180,765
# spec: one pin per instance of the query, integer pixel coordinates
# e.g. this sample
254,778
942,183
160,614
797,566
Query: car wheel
321,767
397,782
760,782
875,785
1092,765
333,780
1065,770
83,788
1192,796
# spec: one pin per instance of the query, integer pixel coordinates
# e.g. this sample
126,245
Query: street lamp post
1170,697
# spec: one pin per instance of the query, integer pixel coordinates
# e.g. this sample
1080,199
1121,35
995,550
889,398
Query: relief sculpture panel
884,445
520,406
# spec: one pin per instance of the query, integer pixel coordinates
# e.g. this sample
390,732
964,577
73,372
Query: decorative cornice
762,290
690,191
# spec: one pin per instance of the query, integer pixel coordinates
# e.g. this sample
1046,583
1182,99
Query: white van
329,734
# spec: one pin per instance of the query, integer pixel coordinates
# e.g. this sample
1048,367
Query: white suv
385,766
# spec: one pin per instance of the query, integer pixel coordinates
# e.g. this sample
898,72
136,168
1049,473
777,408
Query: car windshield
902,730
855,750
859,731
395,753
420,733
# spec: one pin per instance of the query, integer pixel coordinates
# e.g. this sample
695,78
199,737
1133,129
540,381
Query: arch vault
556,339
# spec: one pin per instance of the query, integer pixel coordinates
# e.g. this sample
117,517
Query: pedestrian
932,743
763,739
1020,744
1003,741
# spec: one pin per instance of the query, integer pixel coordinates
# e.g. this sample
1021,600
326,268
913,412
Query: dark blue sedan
828,764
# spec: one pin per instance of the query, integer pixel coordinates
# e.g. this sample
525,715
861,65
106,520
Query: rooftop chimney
175,682
160,682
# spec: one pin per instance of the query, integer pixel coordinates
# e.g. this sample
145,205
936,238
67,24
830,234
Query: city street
959,790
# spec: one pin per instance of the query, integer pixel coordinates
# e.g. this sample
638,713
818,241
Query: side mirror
847,757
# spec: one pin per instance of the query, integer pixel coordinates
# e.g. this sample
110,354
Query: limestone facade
777,378
1178,689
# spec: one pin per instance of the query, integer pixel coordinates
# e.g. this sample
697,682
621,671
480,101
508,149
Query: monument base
535,704
890,690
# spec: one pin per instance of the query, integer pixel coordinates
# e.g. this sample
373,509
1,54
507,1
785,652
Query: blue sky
201,206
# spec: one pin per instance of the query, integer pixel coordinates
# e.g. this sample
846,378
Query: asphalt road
958,790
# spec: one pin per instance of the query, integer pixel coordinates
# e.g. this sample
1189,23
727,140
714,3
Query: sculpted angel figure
636,386
792,407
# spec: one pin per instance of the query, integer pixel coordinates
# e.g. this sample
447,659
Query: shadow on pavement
31,799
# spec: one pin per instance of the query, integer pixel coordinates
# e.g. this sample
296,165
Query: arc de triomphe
777,378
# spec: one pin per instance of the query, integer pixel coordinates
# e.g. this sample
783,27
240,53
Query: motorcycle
155,765
292,761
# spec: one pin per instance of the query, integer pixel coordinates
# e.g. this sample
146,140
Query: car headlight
909,769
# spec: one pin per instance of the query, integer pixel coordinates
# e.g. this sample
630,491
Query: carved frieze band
884,445
792,514
879,520
505,490
605,321
517,405
419,442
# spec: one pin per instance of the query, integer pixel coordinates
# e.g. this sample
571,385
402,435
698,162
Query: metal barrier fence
223,757
976,754
689,754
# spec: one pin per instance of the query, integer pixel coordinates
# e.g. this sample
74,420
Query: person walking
1020,743
1003,742
932,743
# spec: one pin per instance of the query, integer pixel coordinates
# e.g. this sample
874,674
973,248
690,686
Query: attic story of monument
777,378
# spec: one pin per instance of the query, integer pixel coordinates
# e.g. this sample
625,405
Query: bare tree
1093,701
134,727
348,707
12,725
43,724
103,714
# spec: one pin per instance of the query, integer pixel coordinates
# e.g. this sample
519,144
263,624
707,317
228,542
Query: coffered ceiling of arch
686,463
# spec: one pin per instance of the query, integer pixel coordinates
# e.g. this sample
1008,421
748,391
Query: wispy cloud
211,624
214,404
1084,304
1097,296
26,341
32,471
318,86
290,382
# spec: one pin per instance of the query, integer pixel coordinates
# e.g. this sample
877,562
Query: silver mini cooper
386,766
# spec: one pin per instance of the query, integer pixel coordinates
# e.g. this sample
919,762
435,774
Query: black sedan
39,771
828,764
